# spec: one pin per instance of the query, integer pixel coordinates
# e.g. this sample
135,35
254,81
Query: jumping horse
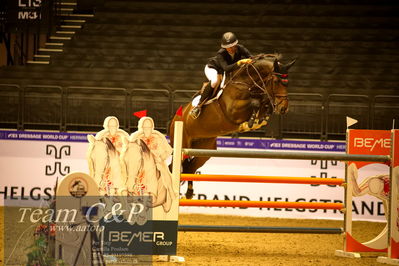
251,93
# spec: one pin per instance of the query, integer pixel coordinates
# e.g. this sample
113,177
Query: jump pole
262,179
286,155
177,154
262,204
259,229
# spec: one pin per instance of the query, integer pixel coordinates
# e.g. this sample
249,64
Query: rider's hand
244,61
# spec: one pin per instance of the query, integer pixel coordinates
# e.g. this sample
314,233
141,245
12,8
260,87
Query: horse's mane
110,145
267,56
144,147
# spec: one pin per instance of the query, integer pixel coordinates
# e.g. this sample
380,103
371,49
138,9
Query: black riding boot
196,111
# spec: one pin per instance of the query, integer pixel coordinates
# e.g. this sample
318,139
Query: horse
104,166
142,176
252,92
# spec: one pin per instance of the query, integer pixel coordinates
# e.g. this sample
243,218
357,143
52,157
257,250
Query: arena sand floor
204,248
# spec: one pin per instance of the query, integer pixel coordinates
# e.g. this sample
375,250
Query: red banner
371,142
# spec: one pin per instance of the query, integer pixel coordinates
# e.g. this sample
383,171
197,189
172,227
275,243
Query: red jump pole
262,179
262,204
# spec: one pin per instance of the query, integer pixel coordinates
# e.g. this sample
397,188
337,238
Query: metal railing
305,116
84,109
341,105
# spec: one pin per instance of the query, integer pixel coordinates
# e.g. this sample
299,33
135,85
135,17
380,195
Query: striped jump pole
286,155
262,179
262,204
259,229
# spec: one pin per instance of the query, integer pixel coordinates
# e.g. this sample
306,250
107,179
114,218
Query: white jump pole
176,170
177,150
393,241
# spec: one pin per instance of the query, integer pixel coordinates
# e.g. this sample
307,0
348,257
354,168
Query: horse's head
134,157
280,84
131,156
270,78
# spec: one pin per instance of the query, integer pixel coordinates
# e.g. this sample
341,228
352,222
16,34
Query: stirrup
195,112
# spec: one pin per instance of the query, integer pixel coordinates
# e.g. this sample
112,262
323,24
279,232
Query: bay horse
252,91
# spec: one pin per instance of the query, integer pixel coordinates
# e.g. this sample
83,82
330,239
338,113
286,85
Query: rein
263,88
263,85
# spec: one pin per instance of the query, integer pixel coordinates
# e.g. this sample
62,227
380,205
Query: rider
227,58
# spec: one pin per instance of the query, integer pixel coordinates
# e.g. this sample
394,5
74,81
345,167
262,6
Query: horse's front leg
255,106
265,111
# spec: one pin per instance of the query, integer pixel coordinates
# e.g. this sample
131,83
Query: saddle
200,91
216,93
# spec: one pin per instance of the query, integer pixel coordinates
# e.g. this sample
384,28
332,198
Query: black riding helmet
229,39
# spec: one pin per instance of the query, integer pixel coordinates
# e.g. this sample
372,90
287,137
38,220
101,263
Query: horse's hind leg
187,169
190,166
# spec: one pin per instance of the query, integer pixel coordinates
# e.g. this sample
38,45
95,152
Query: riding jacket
223,62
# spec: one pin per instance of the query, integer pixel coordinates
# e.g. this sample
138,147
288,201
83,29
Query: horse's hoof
251,122
189,193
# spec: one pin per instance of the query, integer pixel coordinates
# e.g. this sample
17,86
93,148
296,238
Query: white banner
29,168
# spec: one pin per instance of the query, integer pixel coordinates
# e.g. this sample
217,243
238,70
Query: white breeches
213,76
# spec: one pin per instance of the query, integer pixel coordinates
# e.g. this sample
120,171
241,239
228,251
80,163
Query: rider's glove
244,61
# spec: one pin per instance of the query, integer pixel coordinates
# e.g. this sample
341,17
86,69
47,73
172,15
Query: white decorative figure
144,159
104,157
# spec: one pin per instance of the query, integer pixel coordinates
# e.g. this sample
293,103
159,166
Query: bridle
260,88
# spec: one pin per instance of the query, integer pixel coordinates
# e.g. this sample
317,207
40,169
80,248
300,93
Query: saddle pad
196,100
